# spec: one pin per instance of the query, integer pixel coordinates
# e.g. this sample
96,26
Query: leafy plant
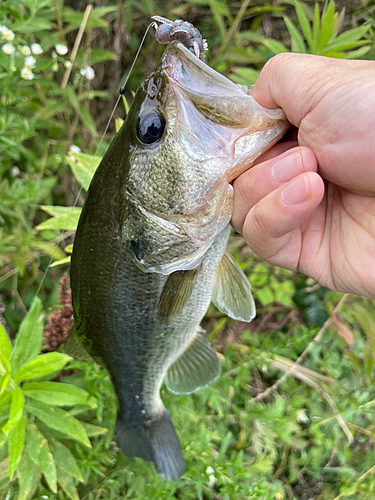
321,33
31,412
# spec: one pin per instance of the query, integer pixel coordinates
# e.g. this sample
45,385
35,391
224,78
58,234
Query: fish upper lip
193,76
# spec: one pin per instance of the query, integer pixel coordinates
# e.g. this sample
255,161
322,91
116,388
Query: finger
292,82
276,150
267,176
272,227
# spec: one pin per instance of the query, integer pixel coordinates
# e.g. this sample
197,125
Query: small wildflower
83,71
25,50
90,73
27,74
74,149
15,171
61,49
7,34
36,49
212,480
302,418
67,64
30,62
8,48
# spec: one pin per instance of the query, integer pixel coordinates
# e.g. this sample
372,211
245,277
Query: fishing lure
181,31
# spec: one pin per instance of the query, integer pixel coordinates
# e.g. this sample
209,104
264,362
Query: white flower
15,171
212,480
74,149
30,62
61,49
302,418
25,50
36,49
27,74
7,34
88,72
67,64
3,28
8,48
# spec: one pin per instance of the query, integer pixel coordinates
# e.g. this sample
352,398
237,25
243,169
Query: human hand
311,208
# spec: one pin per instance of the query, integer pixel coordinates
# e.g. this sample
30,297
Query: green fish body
149,252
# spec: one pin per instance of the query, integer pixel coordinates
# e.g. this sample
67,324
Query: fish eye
150,127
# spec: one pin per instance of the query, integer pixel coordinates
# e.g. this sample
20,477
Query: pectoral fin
176,293
232,290
196,368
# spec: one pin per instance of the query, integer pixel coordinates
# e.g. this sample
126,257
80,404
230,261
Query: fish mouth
218,98
222,119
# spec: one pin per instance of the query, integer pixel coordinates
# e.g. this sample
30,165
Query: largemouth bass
149,253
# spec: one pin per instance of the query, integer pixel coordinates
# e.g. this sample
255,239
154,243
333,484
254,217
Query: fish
150,248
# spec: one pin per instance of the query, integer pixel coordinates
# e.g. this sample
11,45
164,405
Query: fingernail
296,192
285,169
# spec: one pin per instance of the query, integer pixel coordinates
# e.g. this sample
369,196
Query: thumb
296,83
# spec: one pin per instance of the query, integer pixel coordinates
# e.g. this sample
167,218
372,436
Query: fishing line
121,93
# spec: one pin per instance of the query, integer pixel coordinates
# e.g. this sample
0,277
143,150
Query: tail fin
155,441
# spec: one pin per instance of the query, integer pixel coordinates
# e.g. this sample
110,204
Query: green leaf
316,315
45,365
99,55
50,249
40,454
41,366
316,29
245,76
356,54
225,444
65,460
297,42
66,219
348,38
274,46
94,430
60,420
16,441
58,394
118,124
304,23
65,260
327,26
29,337
5,343
67,483
28,477
87,120
83,167
16,410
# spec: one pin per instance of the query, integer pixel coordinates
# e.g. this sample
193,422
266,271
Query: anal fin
196,368
232,290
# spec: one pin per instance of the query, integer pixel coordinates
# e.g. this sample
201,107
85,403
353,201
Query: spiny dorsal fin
232,290
196,368
175,294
